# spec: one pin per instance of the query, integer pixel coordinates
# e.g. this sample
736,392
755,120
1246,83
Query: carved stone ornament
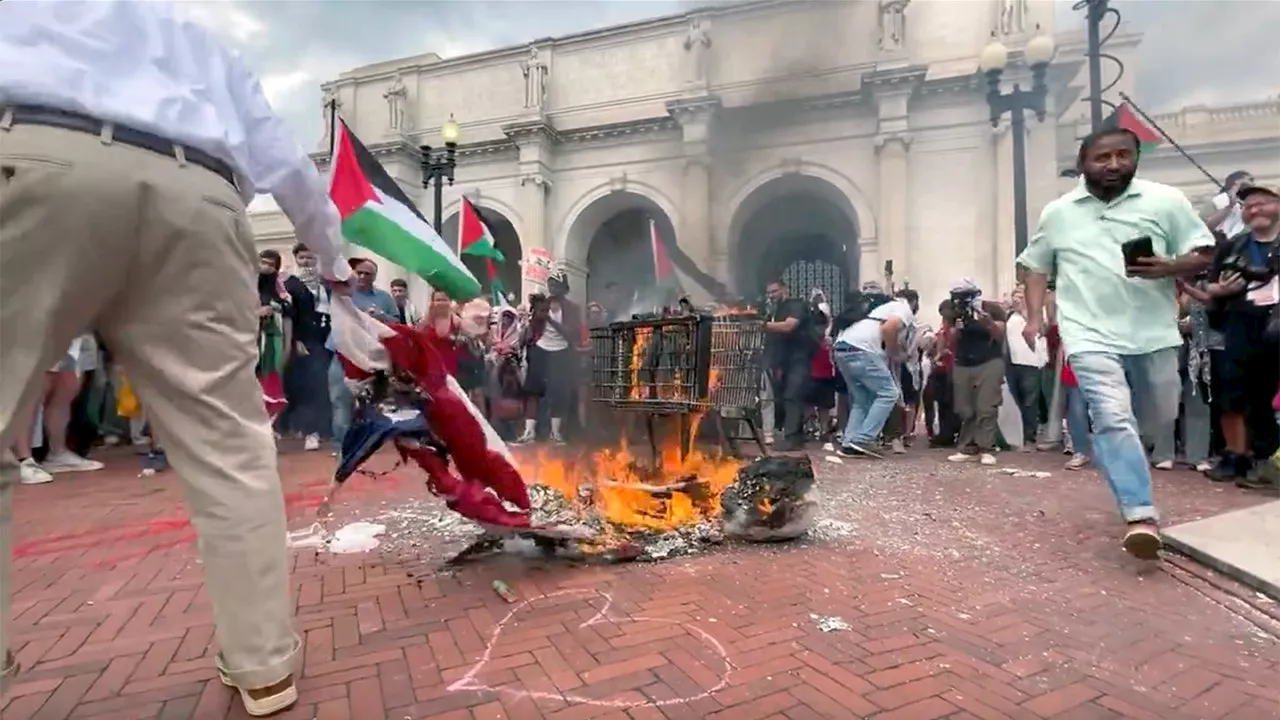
537,180
330,98
1013,16
618,183
893,25
884,139
697,43
397,97
791,165
535,80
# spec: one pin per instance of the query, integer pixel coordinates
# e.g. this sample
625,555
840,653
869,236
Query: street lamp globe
994,57
1040,49
450,133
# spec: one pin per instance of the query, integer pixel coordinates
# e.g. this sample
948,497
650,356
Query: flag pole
1147,119
333,127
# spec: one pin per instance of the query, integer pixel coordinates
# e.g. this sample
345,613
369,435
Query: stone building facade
813,140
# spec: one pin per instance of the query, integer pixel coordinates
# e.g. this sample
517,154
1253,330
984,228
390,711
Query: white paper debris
831,624
835,459
358,537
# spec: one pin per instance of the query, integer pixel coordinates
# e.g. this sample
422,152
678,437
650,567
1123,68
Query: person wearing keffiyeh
306,384
275,330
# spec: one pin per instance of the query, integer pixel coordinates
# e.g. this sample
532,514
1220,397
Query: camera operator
1115,244
1246,289
977,373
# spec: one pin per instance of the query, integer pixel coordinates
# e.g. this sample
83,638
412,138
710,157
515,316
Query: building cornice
432,63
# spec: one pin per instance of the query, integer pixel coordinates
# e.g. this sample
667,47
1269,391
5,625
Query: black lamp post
993,60
438,165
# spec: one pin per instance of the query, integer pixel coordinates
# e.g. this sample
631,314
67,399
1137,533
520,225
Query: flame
765,506
627,492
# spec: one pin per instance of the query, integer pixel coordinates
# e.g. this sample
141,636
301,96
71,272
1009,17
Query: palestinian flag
378,216
664,274
475,240
1124,117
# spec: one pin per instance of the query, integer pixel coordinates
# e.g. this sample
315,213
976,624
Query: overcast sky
1194,51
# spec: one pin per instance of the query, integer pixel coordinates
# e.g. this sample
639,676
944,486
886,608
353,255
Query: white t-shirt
551,340
1233,224
865,334
1020,353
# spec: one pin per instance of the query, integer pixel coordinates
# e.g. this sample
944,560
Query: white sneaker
897,447
962,457
1164,465
312,442
32,474
556,438
1204,467
828,447
987,459
1079,461
67,461
525,438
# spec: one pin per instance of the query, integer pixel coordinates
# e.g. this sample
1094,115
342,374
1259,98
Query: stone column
894,192
696,235
534,187
891,85
535,141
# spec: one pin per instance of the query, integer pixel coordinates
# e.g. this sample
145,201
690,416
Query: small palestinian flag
475,240
664,274
377,215
1125,118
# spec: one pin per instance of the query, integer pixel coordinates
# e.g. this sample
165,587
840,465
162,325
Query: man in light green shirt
1118,321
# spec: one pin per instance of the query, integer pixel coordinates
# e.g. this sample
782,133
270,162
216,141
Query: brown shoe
1142,541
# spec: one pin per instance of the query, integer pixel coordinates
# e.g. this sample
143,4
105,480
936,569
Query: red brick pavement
968,594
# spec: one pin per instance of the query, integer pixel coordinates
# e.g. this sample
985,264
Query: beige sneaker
1079,461
265,701
1142,540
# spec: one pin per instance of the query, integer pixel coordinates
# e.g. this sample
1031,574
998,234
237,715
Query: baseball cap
1254,190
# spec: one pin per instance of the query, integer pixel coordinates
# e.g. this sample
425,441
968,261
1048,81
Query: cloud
1194,51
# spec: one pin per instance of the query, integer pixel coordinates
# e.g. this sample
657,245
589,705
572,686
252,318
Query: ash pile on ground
550,507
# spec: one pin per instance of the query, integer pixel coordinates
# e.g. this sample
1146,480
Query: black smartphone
1137,248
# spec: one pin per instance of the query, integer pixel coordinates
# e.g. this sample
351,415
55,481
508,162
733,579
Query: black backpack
857,307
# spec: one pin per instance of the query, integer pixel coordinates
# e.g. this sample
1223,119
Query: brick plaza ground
967,593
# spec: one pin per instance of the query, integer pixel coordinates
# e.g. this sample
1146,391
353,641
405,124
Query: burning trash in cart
651,497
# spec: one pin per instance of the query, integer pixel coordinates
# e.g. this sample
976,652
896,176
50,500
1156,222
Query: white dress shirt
1020,353
140,65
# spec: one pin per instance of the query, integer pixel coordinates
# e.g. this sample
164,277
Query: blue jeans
1123,394
341,400
1078,421
872,393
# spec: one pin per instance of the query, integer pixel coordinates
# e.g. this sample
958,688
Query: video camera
966,303
1252,274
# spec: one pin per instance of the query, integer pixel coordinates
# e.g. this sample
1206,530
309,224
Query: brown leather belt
48,117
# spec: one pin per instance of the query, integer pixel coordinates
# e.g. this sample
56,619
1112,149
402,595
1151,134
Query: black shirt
309,326
974,343
796,347
1256,254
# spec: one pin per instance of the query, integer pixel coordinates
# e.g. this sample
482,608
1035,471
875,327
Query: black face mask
557,287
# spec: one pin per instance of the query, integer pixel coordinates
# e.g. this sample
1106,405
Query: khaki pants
158,256
976,394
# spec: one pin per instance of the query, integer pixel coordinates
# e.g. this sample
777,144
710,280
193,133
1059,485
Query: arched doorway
800,229
505,239
615,229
